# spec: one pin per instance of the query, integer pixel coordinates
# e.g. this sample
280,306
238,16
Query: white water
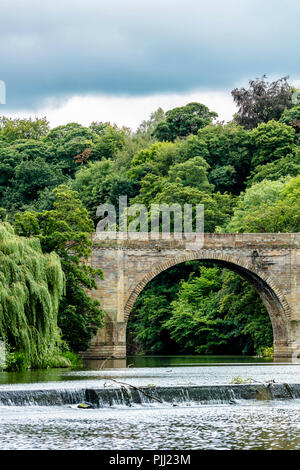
260,426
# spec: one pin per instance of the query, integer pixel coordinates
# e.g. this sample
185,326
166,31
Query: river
178,423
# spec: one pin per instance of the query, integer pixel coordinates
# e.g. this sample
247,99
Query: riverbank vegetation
32,285
246,173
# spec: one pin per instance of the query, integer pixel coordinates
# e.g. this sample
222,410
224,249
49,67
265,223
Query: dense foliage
31,286
246,173
181,122
66,229
209,310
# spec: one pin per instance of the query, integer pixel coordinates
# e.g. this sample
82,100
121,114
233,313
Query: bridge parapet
209,240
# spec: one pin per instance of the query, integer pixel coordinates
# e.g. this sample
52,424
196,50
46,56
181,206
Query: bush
16,361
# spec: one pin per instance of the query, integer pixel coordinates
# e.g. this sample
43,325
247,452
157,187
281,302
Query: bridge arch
266,286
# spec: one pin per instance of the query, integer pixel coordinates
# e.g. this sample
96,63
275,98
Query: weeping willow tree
31,285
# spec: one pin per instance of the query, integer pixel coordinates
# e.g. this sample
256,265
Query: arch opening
269,293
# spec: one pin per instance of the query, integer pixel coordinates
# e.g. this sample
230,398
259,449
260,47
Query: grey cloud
55,49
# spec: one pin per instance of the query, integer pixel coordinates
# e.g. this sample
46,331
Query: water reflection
168,361
99,364
161,370
179,361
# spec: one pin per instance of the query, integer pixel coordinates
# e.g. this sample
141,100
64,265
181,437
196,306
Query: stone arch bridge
270,262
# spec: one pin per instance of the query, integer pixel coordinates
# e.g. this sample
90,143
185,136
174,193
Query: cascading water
128,396
41,397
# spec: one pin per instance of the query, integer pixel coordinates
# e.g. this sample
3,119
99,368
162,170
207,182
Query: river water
244,424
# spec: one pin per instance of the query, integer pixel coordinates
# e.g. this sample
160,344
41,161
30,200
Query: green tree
73,145
218,313
271,141
191,173
183,121
100,183
224,178
193,324
31,286
111,141
229,153
16,129
217,207
18,152
28,149
146,331
66,229
291,117
240,304
192,146
146,128
29,180
155,159
285,166
268,207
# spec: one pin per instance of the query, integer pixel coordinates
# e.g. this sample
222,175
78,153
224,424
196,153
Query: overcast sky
118,60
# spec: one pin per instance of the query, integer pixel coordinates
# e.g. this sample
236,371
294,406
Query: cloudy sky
119,60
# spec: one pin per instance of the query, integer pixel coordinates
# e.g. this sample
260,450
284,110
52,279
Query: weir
126,396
